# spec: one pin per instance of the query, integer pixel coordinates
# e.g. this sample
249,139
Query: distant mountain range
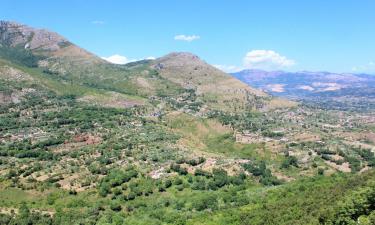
333,90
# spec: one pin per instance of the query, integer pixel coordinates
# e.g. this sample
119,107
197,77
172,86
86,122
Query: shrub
168,184
200,172
115,206
131,196
289,161
199,184
205,202
177,168
320,171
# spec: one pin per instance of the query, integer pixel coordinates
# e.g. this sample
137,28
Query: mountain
69,70
41,43
337,90
167,141
190,71
214,87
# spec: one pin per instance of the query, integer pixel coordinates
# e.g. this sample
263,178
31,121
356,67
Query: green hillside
167,141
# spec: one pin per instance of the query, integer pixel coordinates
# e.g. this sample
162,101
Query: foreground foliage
339,199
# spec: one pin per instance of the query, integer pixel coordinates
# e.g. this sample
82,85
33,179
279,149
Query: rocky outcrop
13,34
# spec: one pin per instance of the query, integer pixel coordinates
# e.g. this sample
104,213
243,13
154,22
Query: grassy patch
226,144
210,136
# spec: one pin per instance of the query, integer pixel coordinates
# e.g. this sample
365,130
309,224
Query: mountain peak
181,55
43,42
181,59
5,23
191,72
13,34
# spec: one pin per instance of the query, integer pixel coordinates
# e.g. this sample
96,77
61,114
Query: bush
220,177
199,184
167,184
205,202
180,187
355,164
131,196
320,171
200,172
289,161
260,170
114,179
115,206
178,181
177,168
104,189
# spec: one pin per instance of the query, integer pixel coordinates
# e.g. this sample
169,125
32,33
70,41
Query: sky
291,35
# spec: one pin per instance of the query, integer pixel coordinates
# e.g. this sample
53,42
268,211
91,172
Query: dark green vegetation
152,142
339,199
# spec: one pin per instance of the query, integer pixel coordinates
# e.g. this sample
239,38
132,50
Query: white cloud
259,59
229,68
120,59
266,59
98,22
188,38
116,59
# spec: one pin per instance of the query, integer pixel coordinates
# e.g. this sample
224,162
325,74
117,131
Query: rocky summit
18,35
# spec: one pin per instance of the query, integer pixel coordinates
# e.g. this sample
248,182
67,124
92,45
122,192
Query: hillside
213,86
329,90
67,69
167,141
41,43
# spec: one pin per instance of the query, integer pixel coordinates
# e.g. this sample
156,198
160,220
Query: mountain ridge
43,43
339,89
60,59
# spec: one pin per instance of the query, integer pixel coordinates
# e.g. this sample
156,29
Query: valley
171,141
335,91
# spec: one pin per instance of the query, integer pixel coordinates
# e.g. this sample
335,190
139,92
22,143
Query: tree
168,184
104,189
199,184
24,214
206,202
115,206
220,177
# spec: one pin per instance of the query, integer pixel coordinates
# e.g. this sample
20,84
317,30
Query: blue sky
317,35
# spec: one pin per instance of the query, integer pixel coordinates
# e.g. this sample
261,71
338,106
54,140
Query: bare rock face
58,54
13,34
